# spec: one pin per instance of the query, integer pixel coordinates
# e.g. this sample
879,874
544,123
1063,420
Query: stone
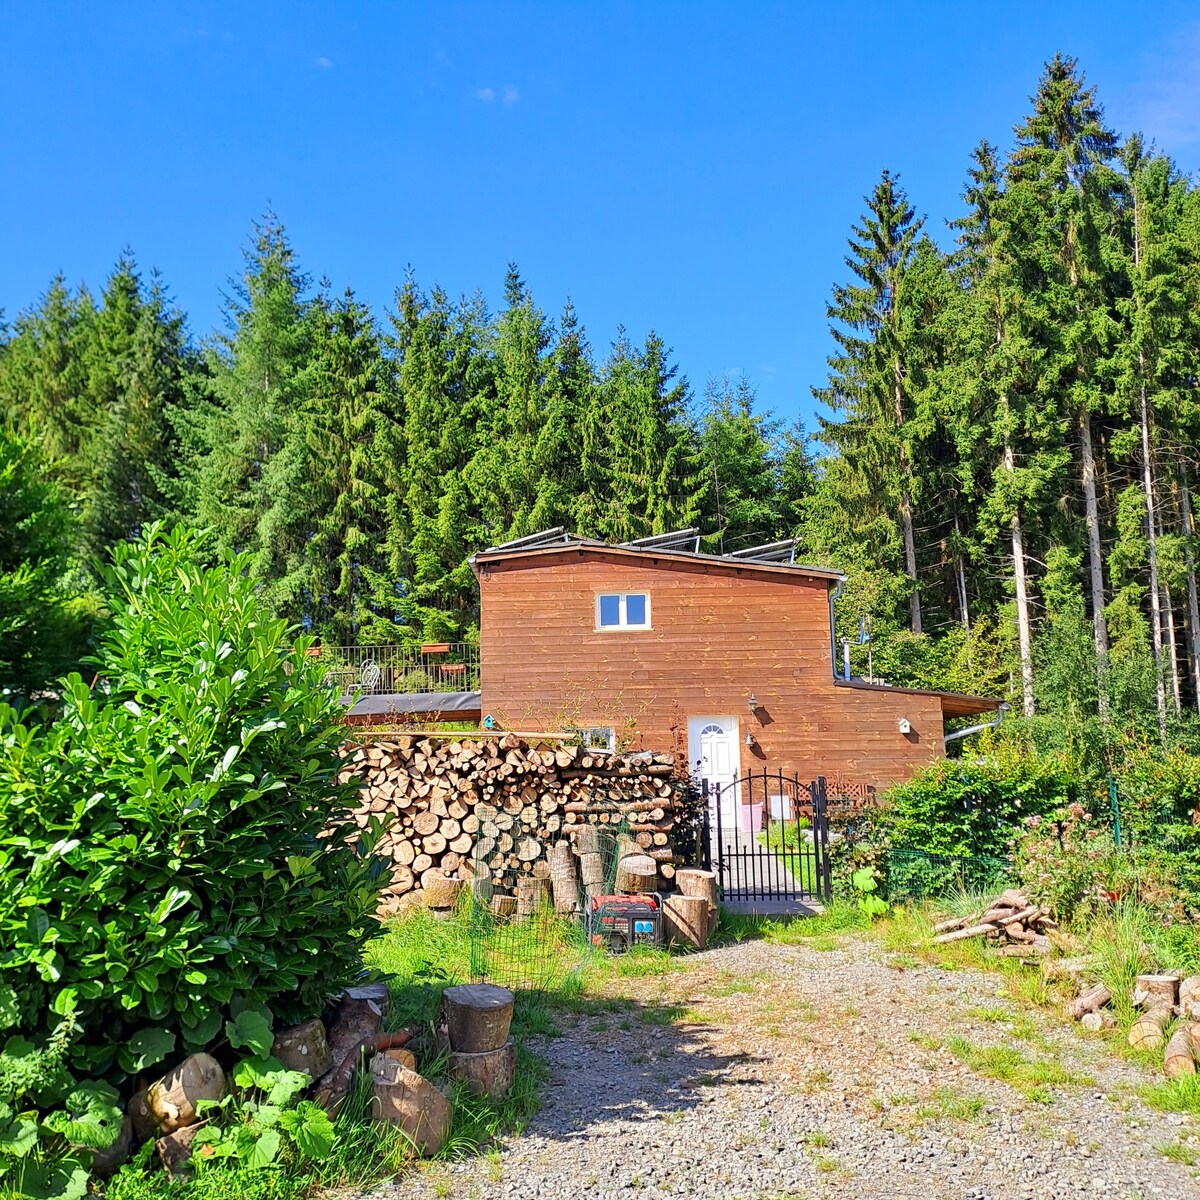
105,1162
303,1048
175,1150
172,1099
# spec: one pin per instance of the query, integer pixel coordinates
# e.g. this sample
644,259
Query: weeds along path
832,1068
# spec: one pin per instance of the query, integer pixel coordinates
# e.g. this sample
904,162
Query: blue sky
688,167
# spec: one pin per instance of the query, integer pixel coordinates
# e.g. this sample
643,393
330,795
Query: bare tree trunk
1185,510
910,560
1024,635
906,517
1156,624
960,575
1095,560
1172,649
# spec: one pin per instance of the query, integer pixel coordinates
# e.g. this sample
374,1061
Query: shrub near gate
171,847
975,807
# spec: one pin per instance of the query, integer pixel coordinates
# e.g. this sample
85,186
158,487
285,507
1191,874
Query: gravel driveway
766,1071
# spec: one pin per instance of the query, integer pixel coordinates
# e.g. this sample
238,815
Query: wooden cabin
729,659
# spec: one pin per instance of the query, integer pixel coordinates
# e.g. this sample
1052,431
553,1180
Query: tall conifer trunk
906,517
1185,517
1095,558
1172,649
1024,634
1156,623
960,574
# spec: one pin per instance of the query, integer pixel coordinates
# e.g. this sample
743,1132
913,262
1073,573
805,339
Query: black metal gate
766,835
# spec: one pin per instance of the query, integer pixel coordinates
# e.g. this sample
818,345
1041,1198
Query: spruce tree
869,376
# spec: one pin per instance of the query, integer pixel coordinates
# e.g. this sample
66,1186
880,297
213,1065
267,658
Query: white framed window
598,737
623,610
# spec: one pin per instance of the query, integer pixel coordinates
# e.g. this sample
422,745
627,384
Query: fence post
821,806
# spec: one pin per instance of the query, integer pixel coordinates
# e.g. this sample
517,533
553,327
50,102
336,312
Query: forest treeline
1006,473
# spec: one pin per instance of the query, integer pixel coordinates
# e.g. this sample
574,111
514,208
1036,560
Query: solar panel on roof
775,552
547,537
680,539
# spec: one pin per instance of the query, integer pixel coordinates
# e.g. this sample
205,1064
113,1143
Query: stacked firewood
492,809
1017,928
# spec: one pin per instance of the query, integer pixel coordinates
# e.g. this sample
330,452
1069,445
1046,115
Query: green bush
176,847
975,806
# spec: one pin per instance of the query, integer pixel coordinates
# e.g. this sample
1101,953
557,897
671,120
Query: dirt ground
833,1068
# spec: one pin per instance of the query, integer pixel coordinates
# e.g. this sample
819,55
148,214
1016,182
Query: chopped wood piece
1089,1001
1149,1030
1156,991
1094,1022
686,920
489,1073
477,1016
409,1101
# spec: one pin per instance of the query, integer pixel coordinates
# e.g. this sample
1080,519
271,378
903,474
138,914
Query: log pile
1014,926
501,815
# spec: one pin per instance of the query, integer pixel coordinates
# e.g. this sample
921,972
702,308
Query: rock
303,1048
407,1100
172,1100
105,1162
175,1150
140,1117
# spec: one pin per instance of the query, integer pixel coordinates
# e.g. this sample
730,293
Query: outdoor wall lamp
905,725
753,702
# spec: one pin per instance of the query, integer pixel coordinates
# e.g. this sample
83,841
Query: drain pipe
833,654
962,733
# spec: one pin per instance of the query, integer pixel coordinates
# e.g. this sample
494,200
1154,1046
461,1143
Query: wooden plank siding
719,633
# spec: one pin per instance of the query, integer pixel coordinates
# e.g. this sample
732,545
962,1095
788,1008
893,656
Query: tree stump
562,878
477,1016
303,1048
172,1099
504,906
686,920
1088,1001
359,1015
691,881
640,874
405,1099
531,895
1178,1058
626,848
489,1073
1156,991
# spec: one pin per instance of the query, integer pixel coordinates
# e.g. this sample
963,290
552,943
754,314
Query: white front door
713,751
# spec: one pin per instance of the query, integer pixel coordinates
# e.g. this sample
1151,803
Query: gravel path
762,1072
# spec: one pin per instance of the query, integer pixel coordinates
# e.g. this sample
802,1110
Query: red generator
624,921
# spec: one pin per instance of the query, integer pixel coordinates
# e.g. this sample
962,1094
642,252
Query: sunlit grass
1031,1076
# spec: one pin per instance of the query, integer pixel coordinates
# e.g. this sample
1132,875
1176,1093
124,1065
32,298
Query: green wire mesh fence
920,875
525,910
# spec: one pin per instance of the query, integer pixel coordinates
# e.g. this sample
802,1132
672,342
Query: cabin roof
954,704
680,547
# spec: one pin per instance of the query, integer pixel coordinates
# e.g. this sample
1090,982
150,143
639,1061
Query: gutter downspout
834,593
947,738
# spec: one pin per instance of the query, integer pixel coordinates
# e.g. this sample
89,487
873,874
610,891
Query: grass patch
840,917
1033,1077
1178,1152
1180,1095
948,1104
